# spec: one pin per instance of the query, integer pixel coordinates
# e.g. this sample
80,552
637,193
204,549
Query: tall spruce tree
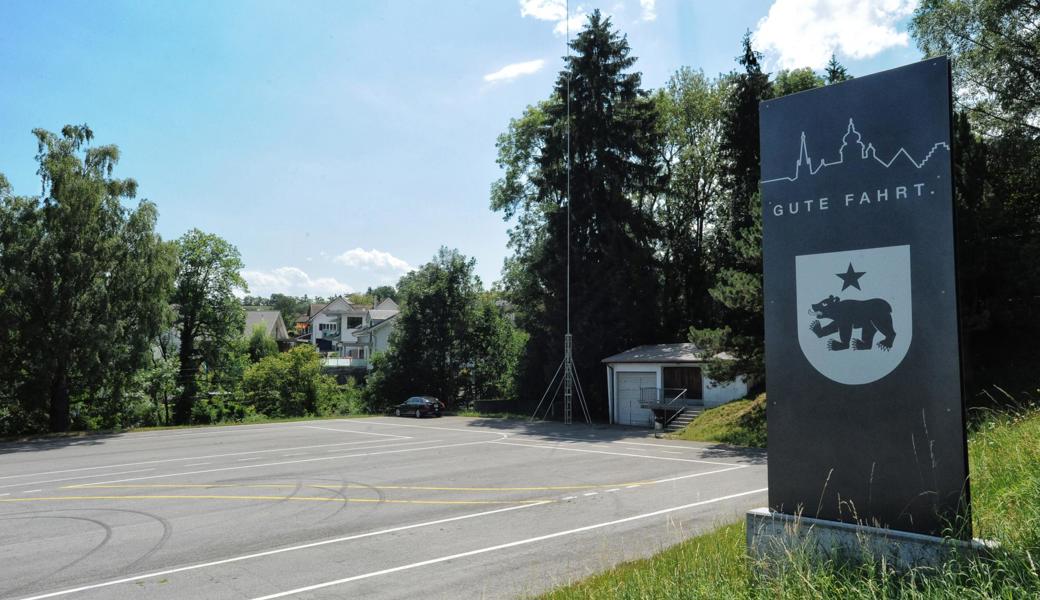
738,233
614,172
835,72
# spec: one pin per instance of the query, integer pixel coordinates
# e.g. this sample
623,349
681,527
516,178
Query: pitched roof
661,353
386,304
268,319
376,325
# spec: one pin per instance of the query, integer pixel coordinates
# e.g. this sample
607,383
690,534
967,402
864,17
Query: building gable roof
661,353
270,320
376,326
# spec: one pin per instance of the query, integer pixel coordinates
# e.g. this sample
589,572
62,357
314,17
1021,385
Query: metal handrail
656,397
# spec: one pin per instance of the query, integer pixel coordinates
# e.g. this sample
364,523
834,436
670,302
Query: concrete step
684,419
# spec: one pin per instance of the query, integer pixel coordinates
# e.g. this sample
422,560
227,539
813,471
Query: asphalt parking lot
374,508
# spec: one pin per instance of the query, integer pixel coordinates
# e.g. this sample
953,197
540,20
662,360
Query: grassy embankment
1004,454
741,422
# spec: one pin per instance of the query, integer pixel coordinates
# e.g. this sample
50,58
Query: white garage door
628,386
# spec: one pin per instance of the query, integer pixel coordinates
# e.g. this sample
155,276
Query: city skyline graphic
867,151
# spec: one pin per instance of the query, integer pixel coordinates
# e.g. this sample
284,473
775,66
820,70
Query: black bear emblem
869,316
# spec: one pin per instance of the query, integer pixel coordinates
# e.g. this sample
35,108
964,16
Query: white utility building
645,378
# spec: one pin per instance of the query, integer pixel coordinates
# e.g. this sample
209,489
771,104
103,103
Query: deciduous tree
85,283
209,316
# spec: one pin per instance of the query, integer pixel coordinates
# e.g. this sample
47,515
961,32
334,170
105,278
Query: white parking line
167,460
279,551
198,464
404,437
431,427
251,458
532,540
564,448
292,462
30,491
590,493
11,485
611,491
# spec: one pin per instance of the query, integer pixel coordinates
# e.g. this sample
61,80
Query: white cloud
373,260
577,21
511,72
544,10
804,33
556,11
293,281
649,9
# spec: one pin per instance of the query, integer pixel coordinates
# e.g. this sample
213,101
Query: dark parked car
420,406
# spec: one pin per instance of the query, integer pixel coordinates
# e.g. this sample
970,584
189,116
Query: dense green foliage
1004,452
995,48
83,291
209,317
260,344
451,340
291,384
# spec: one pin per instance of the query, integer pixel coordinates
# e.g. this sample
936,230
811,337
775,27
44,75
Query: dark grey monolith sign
866,420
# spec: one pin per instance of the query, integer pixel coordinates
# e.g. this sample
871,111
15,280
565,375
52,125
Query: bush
220,409
343,400
291,384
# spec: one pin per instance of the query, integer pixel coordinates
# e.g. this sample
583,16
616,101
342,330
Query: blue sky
337,144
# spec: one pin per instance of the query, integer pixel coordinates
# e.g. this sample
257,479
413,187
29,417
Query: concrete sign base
773,537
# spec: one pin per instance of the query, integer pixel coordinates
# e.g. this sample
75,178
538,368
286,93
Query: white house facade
645,377
334,329
376,338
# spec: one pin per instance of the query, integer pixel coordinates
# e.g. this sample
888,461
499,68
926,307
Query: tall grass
1004,454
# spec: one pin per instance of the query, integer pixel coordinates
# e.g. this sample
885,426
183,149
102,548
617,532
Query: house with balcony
333,329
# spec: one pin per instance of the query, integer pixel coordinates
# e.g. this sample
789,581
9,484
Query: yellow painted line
278,498
87,486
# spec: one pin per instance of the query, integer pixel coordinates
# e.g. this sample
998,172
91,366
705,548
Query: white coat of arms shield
854,312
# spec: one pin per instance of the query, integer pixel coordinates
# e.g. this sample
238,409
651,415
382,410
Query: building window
327,327
353,322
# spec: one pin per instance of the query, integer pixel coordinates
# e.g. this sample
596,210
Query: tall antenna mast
570,382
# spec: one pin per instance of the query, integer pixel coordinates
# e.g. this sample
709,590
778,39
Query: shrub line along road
380,508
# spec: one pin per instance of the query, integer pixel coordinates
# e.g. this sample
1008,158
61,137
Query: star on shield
850,278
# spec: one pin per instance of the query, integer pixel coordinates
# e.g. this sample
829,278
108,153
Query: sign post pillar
863,373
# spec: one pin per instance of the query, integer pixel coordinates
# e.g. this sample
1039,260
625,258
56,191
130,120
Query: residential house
333,329
376,337
272,323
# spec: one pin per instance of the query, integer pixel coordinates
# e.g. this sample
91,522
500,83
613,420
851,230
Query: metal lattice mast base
568,379
565,379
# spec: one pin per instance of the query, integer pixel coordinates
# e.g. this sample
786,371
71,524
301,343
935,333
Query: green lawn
741,422
1004,451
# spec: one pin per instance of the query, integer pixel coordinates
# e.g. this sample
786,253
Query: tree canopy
82,273
209,316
